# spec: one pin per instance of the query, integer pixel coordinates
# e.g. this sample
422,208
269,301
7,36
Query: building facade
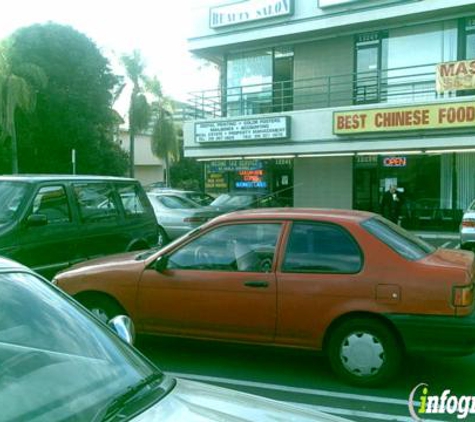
328,102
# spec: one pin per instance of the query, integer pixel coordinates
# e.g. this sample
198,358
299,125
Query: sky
158,28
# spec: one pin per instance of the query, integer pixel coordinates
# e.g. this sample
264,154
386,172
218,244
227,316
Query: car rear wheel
102,307
364,352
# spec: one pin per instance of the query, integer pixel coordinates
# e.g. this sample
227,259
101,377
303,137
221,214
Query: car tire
103,308
364,352
162,238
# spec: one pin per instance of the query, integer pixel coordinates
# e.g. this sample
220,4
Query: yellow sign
455,76
437,116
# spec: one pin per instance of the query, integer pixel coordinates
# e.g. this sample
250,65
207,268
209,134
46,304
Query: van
50,222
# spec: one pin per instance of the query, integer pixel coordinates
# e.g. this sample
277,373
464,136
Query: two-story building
331,101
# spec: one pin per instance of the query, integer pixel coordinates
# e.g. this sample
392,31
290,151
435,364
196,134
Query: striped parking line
366,415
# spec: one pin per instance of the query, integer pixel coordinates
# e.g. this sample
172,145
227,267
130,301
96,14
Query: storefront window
411,55
418,178
249,83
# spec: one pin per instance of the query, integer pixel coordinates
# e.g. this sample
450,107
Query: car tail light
469,222
463,295
194,219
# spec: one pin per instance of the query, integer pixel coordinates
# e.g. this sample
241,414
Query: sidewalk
426,234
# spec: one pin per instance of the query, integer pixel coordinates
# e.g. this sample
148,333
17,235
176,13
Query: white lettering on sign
249,11
243,130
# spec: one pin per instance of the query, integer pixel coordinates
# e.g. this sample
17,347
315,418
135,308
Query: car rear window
401,241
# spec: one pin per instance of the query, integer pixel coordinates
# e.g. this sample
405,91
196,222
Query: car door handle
257,284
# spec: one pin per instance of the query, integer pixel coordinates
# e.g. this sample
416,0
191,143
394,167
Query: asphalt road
305,378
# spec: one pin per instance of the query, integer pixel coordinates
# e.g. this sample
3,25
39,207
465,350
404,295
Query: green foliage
74,110
187,174
18,89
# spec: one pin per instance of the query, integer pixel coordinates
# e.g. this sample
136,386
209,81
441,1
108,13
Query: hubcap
362,354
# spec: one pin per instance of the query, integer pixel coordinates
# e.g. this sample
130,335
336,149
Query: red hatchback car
350,283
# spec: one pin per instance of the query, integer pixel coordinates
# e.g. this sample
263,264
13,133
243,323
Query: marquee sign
454,76
243,130
248,11
434,116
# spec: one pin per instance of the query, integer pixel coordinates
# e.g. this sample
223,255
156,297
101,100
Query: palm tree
164,136
18,90
139,109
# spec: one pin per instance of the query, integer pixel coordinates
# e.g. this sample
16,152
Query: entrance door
366,190
283,96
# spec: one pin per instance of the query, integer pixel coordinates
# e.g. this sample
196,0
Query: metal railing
391,86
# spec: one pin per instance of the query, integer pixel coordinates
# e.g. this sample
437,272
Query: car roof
297,214
34,178
7,264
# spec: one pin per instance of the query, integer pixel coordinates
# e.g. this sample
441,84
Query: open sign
394,161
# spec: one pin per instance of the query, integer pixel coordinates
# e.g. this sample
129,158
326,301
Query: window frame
279,223
320,223
61,186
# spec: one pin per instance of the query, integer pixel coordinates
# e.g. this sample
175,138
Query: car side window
52,202
240,247
132,200
321,248
95,202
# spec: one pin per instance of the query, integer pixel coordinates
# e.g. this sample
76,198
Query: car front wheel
364,352
102,307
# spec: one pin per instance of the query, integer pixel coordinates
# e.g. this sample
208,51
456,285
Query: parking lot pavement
449,240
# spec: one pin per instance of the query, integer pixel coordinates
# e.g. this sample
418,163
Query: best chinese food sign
434,116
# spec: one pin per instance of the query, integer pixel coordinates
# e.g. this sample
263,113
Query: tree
139,109
164,137
18,89
74,111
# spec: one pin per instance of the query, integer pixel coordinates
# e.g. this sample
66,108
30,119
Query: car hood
126,259
195,402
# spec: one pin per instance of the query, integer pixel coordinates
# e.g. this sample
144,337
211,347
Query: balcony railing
392,86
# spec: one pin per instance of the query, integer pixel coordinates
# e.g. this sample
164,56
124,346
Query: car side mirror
36,220
124,327
161,263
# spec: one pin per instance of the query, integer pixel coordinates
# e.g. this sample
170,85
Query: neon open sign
394,161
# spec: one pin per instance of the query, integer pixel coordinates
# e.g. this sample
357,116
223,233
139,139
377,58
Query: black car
51,222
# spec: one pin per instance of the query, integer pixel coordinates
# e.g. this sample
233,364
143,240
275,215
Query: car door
50,246
320,273
220,285
100,220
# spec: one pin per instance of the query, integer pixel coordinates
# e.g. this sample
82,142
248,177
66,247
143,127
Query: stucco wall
323,182
321,67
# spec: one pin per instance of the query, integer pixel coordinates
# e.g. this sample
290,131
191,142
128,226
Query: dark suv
50,222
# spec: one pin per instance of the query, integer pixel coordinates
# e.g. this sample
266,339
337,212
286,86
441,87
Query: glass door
367,87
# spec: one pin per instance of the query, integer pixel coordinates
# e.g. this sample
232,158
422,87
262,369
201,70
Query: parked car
234,201
51,222
177,215
349,283
200,198
59,363
467,228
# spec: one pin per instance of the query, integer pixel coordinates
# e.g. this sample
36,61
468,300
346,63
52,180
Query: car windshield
58,363
403,242
233,200
12,195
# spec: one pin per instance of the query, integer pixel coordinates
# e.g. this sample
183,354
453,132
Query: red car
350,283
